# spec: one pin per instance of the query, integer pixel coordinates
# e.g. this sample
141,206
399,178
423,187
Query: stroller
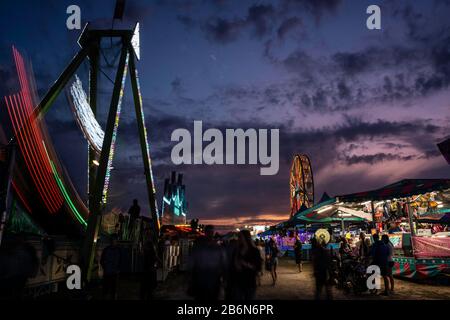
351,275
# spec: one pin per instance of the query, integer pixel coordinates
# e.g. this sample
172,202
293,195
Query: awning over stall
441,216
329,211
403,188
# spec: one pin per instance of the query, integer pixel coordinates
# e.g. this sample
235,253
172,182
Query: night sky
367,106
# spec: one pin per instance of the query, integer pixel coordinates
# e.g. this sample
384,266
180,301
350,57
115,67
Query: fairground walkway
291,285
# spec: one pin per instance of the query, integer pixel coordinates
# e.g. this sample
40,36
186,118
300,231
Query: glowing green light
66,196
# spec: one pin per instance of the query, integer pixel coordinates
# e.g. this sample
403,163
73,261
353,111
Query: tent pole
411,222
374,221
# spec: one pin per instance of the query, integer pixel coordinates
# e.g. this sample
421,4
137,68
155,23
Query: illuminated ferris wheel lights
301,184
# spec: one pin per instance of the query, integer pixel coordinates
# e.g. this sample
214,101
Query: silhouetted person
262,254
390,263
121,224
134,212
18,262
298,254
345,250
380,254
321,260
272,259
230,280
110,262
246,265
148,277
363,249
207,267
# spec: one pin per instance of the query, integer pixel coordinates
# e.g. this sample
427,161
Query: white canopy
356,213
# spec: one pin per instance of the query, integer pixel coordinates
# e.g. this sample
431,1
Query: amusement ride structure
36,179
174,205
301,184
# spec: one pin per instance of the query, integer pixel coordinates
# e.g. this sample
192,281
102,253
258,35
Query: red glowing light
30,139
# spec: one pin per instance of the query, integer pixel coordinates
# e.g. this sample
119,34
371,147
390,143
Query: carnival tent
440,216
403,188
333,213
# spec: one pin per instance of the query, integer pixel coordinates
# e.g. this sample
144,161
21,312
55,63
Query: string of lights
114,137
147,147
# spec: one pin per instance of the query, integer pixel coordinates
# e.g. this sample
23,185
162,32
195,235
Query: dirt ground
292,285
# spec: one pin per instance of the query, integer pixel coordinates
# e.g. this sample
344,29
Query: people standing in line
388,243
273,260
134,212
207,265
321,261
110,261
298,254
247,264
380,254
149,275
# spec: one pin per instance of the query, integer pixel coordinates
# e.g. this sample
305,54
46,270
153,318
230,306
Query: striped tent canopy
403,188
441,216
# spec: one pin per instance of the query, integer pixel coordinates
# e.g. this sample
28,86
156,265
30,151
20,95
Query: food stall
333,216
415,215
329,215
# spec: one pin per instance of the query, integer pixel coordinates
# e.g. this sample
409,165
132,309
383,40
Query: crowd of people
231,269
235,267
379,252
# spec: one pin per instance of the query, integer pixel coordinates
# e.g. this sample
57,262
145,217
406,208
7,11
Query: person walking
380,254
110,261
273,260
390,260
298,254
321,260
207,266
262,254
247,264
230,249
148,276
363,248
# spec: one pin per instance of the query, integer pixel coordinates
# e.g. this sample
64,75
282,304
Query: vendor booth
415,214
330,215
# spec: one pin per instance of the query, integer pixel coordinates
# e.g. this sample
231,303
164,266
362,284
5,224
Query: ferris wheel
301,183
